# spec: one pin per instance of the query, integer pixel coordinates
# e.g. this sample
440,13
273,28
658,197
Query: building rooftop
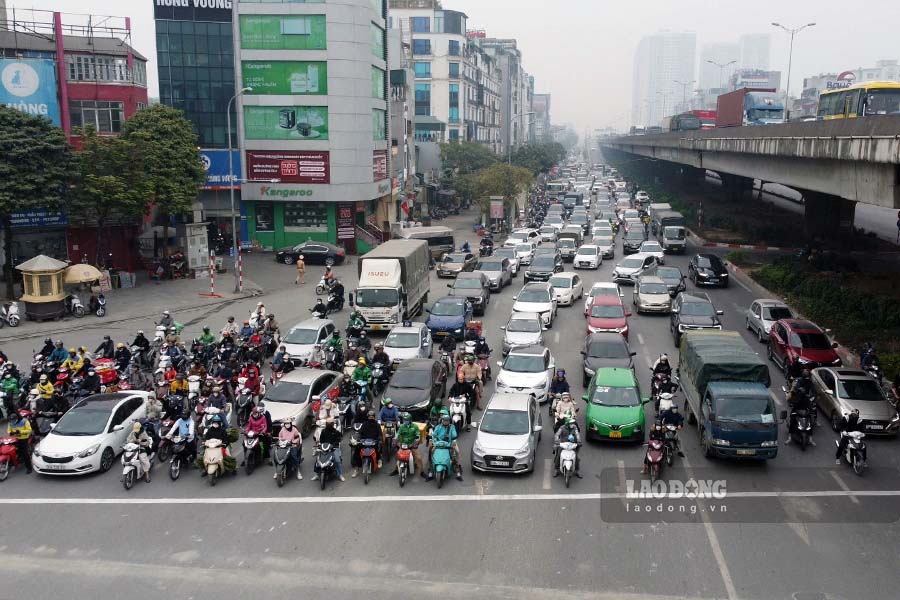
72,43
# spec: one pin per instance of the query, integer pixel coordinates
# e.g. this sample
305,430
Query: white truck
393,283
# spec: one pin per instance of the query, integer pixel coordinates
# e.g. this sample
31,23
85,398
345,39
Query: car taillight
340,252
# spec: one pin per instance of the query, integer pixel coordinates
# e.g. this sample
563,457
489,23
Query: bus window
883,102
851,105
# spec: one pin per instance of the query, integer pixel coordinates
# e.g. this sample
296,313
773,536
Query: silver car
509,253
763,313
508,435
839,390
651,295
525,252
496,269
522,329
408,342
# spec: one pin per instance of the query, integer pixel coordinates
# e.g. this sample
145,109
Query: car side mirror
350,298
627,313
645,400
720,312
633,353
585,397
834,344
475,424
583,353
428,310
516,297
830,391
118,427
449,285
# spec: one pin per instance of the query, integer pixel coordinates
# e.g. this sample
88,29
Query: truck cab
737,420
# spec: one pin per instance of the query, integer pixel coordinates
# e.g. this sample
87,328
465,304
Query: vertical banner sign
346,230
496,207
29,85
379,165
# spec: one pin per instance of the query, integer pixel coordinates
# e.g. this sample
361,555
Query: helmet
470,359
286,357
256,408
58,343
92,372
386,401
664,357
361,405
673,408
186,413
43,378
231,319
371,414
71,350
216,420
262,406
120,345
287,422
379,346
180,377
48,341
105,337
299,257
165,312
566,395
336,335
805,372
140,332
258,304
570,424
561,373
407,418
136,427
329,421
362,333
362,361
445,413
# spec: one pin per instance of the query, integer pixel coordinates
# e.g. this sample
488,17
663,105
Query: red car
608,313
795,344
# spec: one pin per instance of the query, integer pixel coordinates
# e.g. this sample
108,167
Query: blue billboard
216,164
29,85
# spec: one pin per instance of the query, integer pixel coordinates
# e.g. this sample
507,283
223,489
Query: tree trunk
7,255
100,223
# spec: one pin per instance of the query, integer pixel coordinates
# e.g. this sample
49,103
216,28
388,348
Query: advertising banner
285,78
29,85
496,207
37,217
288,166
286,122
283,32
346,227
193,10
218,176
379,165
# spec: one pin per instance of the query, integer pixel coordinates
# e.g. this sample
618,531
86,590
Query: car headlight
501,384
769,443
422,404
589,371
394,318
702,273
89,451
457,330
620,329
522,452
36,451
895,418
803,361
477,448
718,442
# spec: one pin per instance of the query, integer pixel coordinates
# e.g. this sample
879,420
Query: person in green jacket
207,339
361,372
408,433
10,385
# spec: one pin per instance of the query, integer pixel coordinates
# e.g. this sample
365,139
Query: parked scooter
132,466
98,305
74,306
325,463
853,453
9,314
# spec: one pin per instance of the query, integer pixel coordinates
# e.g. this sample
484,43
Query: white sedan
601,288
90,435
653,249
525,252
567,288
588,256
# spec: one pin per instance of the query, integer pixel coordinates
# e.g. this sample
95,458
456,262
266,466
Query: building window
90,67
423,69
377,40
420,24
305,216
423,99
454,135
265,216
377,83
139,106
379,124
453,48
104,117
454,70
421,47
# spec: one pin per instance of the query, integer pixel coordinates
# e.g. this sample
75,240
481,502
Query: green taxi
615,409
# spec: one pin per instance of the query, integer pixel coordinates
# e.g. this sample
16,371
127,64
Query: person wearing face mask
290,433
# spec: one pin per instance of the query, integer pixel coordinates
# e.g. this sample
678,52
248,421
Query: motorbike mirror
538,428
783,415
503,328
834,344
52,425
449,285
645,400
784,389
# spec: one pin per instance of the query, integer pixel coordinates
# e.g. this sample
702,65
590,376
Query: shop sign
286,122
29,85
37,217
496,207
218,177
270,192
379,165
285,78
288,166
193,10
346,226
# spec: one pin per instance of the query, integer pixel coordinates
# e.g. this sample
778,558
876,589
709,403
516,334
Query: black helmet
186,413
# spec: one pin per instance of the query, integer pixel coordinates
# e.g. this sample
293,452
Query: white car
548,233
654,249
601,228
292,396
300,339
606,244
631,267
567,288
522,329
555,221
525,252
763,313
601,288
631,214
528,369
588,256
90,435
522,235
537,297
408,342
642,197
512,255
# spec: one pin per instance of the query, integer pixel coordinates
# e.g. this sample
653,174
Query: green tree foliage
110,181
35,167
502,180
538,158
466,157
172,168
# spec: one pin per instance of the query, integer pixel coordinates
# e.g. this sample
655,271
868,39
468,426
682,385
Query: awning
428,123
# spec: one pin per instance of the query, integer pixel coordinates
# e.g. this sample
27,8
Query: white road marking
741,283
548,466
640,339
647,360
621,466
556,337
843,485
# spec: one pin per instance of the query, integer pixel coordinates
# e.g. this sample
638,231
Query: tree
466,157
502,180
538,158
168,148
35,167
110,181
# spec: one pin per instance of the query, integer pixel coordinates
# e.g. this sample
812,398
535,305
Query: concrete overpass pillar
736,187
827,216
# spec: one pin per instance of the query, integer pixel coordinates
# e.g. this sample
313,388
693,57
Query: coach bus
860,100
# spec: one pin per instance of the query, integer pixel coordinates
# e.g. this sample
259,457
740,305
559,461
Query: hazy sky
581,51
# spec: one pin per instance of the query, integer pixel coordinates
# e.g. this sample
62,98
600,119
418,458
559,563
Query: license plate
878,427
615,434
376,327
439,333
746,452
714,281
52,467
499,463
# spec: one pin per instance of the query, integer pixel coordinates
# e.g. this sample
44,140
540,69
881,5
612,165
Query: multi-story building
541,106
482,106
755,51
516,90
663,63
402,109
313,125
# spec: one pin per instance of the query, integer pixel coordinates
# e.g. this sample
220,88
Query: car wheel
747,324
759,334
835,421
329,261
288,259
786,369
106,460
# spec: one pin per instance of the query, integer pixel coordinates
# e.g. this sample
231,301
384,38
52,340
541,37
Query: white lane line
620,464
556,337
852,494
843,485
741,283
640,339
548,465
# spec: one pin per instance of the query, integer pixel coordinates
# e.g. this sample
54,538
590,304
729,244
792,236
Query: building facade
662,60
313,125
482,103
402,108
541,105
516,90
755,51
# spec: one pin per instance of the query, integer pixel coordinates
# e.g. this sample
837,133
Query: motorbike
213,460
441,461
406,465
74,306
131,463
9,456
567,457
659,382
323,286
281,457
447,361
853,453
254,453
98,305
672,444
485,250
335,303
485,365
325,465
390,434
9,314
874,369
180,456
244,402
380,376
800,427
332,359
319,314
459,408
369,458
656,451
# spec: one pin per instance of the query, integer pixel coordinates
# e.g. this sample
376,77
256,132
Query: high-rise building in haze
711,76
755,51
661,60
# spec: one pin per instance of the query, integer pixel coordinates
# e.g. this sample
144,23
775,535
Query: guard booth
42,283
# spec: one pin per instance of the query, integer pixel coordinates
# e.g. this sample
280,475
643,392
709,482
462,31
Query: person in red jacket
258,424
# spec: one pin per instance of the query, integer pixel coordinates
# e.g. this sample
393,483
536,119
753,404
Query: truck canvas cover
380,273
708,356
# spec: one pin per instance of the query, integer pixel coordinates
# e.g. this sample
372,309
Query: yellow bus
860,100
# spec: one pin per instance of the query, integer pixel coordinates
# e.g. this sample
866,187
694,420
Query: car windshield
634,234
524,325
587,251
743,409
448,309
668,273
810,341
301,336
543,262
505,252
288,392
603,311
524,363
859,389
416,379
561,282
698,309
371,298
651,247
467,283
553,219
524,248
608,349
604,291
402,340
456,259
615,396
83,421
548,230
711,262
775,313
566,243
632,263
654,288
603,240
534,295
674,233
490,266
505,422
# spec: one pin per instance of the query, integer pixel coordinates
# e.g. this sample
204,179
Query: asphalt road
489,536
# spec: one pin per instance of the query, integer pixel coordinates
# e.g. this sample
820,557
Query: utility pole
787,90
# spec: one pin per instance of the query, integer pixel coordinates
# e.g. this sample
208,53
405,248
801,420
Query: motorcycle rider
154,416
408,433
559,385
656,433
481,347
172,336
465,247
462,387
361,373
184,428
316,355
44,387
381,356
197,369
388,413
364,343
206,338
662,365
334,343
356,324
106,349
291,434
59,354
19,427
564,410
319,308
141,341
338,290
47,350
139,436
179,385
166,320
568,432
672,416
122,356
246,331
848,423
285,366
217,432
330,435
258,424
230,328
278,357
91,382
472,372
800,398
445,431
448,345
370,430
73,362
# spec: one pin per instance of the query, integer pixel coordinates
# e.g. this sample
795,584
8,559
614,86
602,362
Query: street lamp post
684,85
234,231
787,90
509,146
721,68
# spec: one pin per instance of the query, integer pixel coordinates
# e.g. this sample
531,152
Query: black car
604,349
633,240
691,312
708,269
314,253
542,268
672,276
476,287
416,385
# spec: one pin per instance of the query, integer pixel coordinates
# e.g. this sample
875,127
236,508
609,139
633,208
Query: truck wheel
691,418
704,444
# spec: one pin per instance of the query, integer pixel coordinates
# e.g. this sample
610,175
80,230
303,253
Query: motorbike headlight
89,451
769,443
457,330
718,442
